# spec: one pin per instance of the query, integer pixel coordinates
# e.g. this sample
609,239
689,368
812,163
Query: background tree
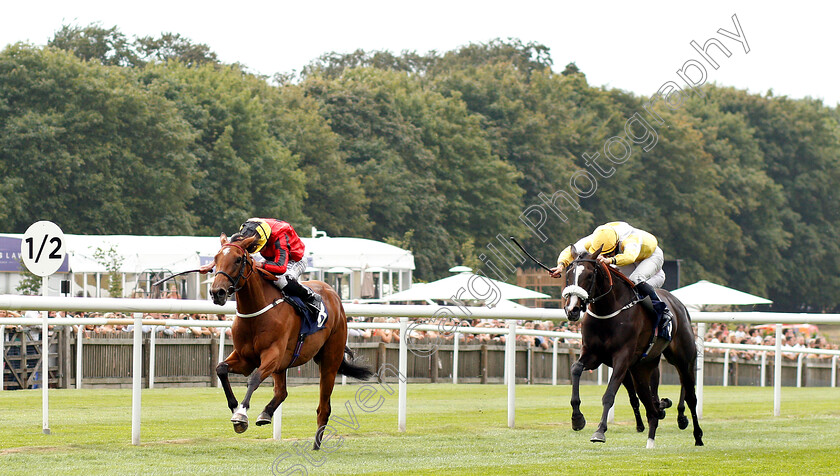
112,261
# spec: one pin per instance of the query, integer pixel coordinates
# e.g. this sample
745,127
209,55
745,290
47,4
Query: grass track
451,430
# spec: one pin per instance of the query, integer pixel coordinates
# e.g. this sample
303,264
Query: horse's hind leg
687,379
280,395
654,390
331,358
634,402
682,420
586,361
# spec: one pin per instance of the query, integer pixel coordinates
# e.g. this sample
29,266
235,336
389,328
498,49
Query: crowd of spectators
793,337
117,328
442,331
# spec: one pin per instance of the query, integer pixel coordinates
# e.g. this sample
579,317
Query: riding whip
176,274
529,255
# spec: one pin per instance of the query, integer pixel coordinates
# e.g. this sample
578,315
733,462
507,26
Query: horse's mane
237,237
613,270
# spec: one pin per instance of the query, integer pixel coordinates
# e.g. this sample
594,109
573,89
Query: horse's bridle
241,275
587,299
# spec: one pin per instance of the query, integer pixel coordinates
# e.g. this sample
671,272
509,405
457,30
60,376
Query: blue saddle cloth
309,319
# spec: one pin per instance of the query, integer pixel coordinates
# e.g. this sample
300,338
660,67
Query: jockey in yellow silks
635,252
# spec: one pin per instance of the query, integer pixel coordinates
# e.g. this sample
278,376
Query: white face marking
226,251
578,270
571,303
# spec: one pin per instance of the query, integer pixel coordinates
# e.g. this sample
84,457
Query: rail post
2,356
764,369
80,333
777,373
403,371
726,354
136,378
510,361
455,345
152,342
799,361
701,354
45,366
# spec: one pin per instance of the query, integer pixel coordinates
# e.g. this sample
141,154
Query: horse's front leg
620,363
280,394
586,361
269,361
234,363
642,375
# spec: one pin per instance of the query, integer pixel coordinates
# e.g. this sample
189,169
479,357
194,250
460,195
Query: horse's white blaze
225,250
650,443
572,303
578,270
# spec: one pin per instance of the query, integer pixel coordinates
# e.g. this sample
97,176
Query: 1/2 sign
42,248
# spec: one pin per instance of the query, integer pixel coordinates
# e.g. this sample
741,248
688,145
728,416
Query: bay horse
265,336
617,332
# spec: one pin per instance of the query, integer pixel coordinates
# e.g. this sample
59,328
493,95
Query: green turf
451,430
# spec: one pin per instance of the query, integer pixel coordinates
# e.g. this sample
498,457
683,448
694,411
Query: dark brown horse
265,336
617,332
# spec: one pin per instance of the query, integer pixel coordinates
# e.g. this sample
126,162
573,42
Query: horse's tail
351,369
348,367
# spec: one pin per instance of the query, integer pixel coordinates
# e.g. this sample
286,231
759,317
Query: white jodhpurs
648,270
293,270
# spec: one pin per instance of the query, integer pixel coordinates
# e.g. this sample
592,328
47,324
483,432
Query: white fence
139,306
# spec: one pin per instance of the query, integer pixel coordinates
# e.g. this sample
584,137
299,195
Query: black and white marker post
42,251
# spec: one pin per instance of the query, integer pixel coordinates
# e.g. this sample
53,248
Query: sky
634,46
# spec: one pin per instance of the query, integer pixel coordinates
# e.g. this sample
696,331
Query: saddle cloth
309,319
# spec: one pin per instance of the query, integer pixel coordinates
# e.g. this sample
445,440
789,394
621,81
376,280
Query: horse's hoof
240,426
698,443
650,443
640,428
264,419
682,422
578,423
598,437
665,403
661,414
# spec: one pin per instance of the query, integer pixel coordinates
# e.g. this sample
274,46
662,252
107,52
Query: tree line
439,153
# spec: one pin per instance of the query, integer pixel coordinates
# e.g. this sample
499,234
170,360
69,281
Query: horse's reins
246,262
234,283
235,286
609,272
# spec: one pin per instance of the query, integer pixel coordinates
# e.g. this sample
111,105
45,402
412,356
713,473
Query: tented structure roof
475,286
182,253
705,293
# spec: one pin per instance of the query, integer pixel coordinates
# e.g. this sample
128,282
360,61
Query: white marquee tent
475,287
705,293
336,260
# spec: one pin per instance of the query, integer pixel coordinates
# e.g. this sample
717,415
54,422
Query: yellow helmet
256,227
605,238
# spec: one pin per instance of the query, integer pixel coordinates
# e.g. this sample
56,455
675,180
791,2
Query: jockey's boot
665,324
664,319
310,298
